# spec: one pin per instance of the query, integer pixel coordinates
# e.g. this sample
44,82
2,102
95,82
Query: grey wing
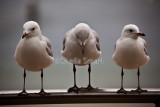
97,39
116,44
145,48
64,40
115,47
49,47
145,45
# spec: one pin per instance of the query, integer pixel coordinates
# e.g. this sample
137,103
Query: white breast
130,54
73,52
31,54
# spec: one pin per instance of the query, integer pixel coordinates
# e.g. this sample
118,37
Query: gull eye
77,36
32,29
130,30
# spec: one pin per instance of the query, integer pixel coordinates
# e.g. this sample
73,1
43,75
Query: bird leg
139,90
74,88
89,74
122,90
42,92
89,87
23,93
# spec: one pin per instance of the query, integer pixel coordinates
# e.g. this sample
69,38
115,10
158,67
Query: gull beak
82,46
24,35
141,34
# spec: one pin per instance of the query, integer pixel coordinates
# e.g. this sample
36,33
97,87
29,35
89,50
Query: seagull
130,53
33,52
81,47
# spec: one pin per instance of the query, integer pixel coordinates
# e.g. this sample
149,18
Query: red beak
24,35
141,34
82,48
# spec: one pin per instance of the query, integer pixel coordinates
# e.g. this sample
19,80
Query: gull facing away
81,47
33,52
130,53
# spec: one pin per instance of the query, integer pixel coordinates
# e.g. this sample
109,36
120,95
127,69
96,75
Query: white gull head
82,33
31,29
131,31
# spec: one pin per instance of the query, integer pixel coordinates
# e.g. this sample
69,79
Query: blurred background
56,17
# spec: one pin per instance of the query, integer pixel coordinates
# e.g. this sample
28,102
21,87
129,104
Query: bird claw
89,88
73,89
42,93
122,90
23,93
139,90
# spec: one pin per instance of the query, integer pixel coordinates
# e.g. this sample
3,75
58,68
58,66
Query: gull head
31,29
82,34
131,31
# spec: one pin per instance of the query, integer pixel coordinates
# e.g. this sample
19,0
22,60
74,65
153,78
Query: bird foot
73,89
139,90
42,93
89,88
122,90
23,93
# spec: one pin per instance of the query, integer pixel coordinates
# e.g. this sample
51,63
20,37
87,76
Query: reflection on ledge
61,96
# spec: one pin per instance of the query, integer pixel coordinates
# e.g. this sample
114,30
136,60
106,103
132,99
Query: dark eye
33,29
130,30
77,36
